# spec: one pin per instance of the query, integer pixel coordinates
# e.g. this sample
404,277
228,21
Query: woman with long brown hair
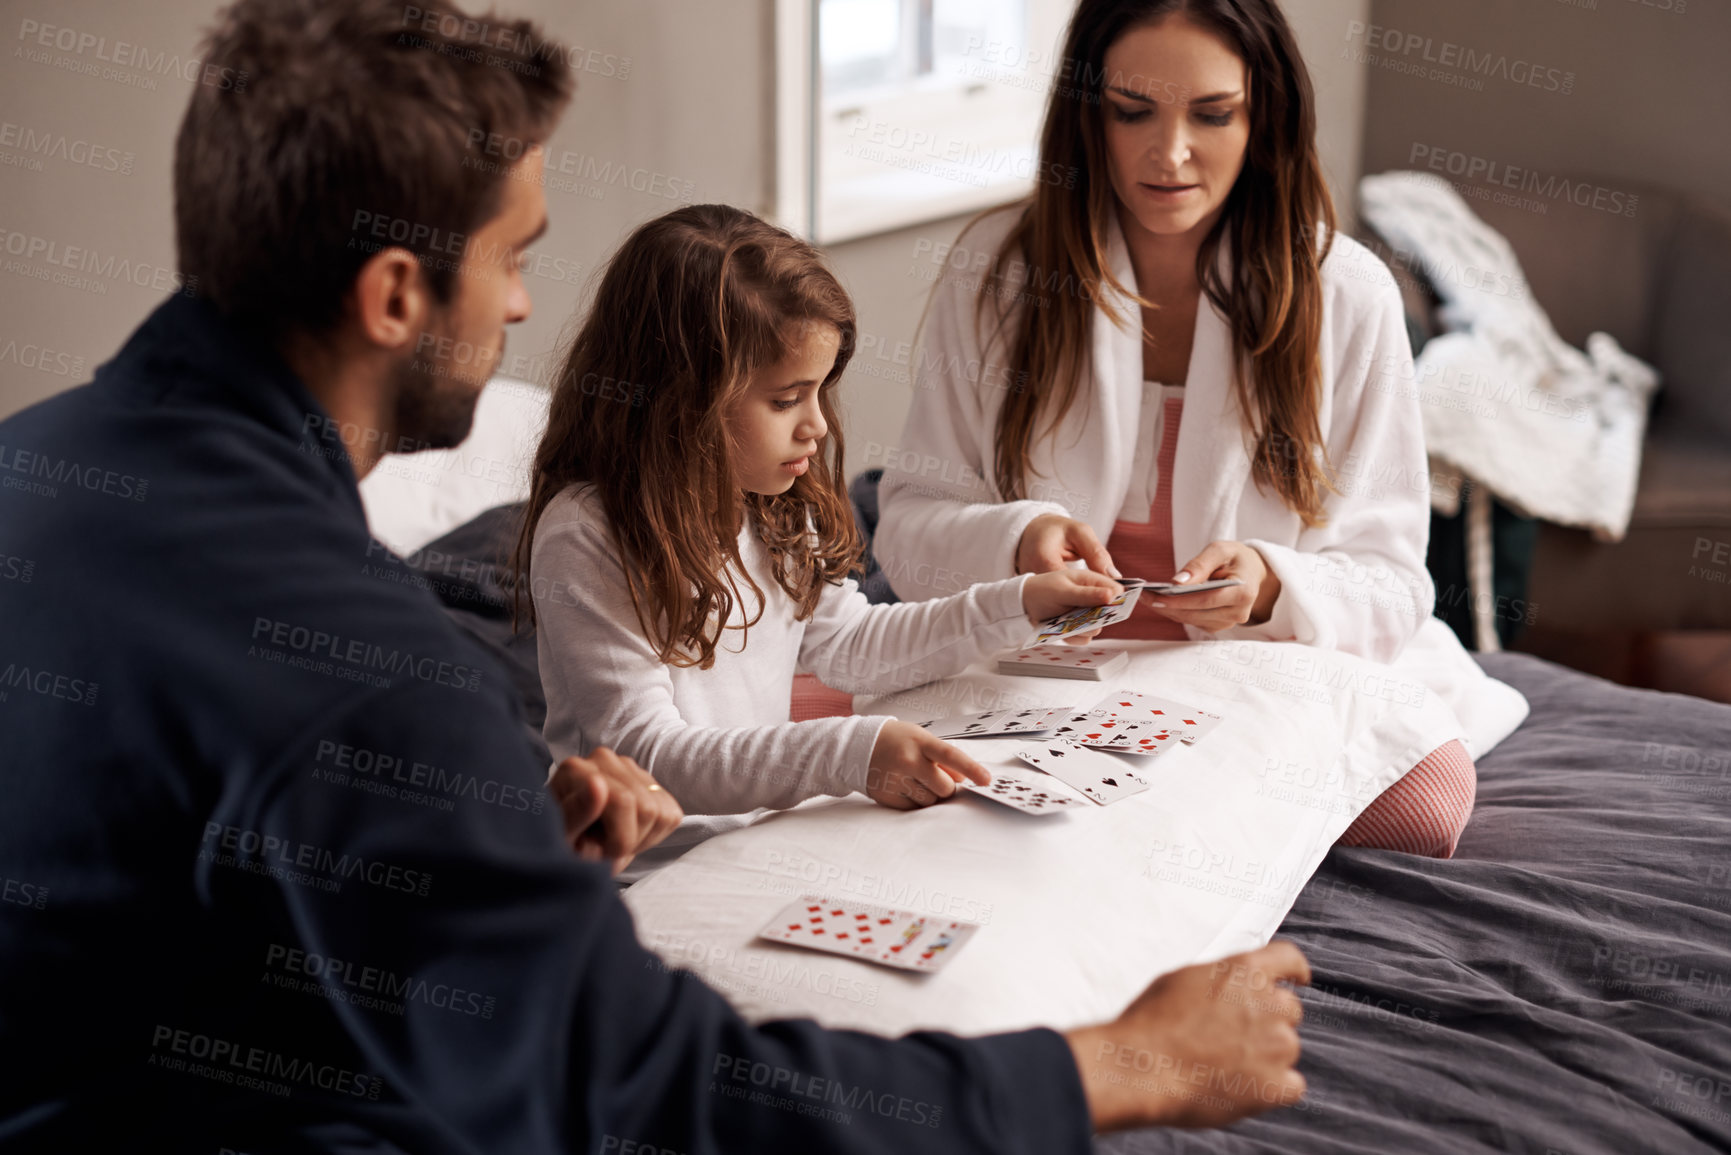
688,540
1170,354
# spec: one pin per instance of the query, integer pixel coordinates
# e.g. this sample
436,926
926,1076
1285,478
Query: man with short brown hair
280,869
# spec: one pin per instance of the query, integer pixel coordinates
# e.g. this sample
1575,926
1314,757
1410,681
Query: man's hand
613,809
1051,542
1252,602
910,768
1202,1047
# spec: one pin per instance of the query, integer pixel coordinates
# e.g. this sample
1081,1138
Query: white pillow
1084,908
413,499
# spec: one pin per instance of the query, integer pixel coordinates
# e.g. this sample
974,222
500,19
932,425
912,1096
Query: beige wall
693,108
1648,100
680,112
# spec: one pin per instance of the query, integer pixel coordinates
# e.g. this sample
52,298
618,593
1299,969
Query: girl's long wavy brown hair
693,306
1272,299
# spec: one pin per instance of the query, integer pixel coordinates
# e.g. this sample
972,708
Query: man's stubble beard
435,403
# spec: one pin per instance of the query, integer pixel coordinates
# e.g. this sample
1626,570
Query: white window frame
980,132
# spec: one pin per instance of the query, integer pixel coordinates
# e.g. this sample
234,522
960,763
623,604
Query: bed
1563,985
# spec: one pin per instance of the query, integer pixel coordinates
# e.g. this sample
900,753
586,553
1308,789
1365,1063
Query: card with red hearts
904,939
1104,730
1190,723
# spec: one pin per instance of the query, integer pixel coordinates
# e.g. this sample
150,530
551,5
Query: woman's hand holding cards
1252,602
910,768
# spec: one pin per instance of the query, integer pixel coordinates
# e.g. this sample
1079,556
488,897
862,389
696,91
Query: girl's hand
1046,595
1051,542
1252,602
911,769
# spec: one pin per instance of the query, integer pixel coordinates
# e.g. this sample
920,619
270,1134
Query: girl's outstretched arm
865,649
731,749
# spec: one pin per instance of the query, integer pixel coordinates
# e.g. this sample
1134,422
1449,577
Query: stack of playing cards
1083,663
903,939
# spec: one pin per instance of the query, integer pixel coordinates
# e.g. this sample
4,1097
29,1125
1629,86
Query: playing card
1084,663
963,725
1101,777
1175,590
932,952
1080,621
1190,723
903,939
993,723
1030,793
1105,730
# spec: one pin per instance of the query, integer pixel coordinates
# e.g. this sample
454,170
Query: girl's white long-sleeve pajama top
720,738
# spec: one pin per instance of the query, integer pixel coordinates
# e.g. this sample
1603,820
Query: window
892,112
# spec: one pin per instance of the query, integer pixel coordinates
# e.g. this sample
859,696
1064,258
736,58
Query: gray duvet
1562,985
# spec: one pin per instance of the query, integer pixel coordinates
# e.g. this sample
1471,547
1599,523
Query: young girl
1206,363
690,486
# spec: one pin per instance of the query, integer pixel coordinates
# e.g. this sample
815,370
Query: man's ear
390,299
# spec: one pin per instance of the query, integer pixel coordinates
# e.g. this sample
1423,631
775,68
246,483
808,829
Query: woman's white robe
1357,584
